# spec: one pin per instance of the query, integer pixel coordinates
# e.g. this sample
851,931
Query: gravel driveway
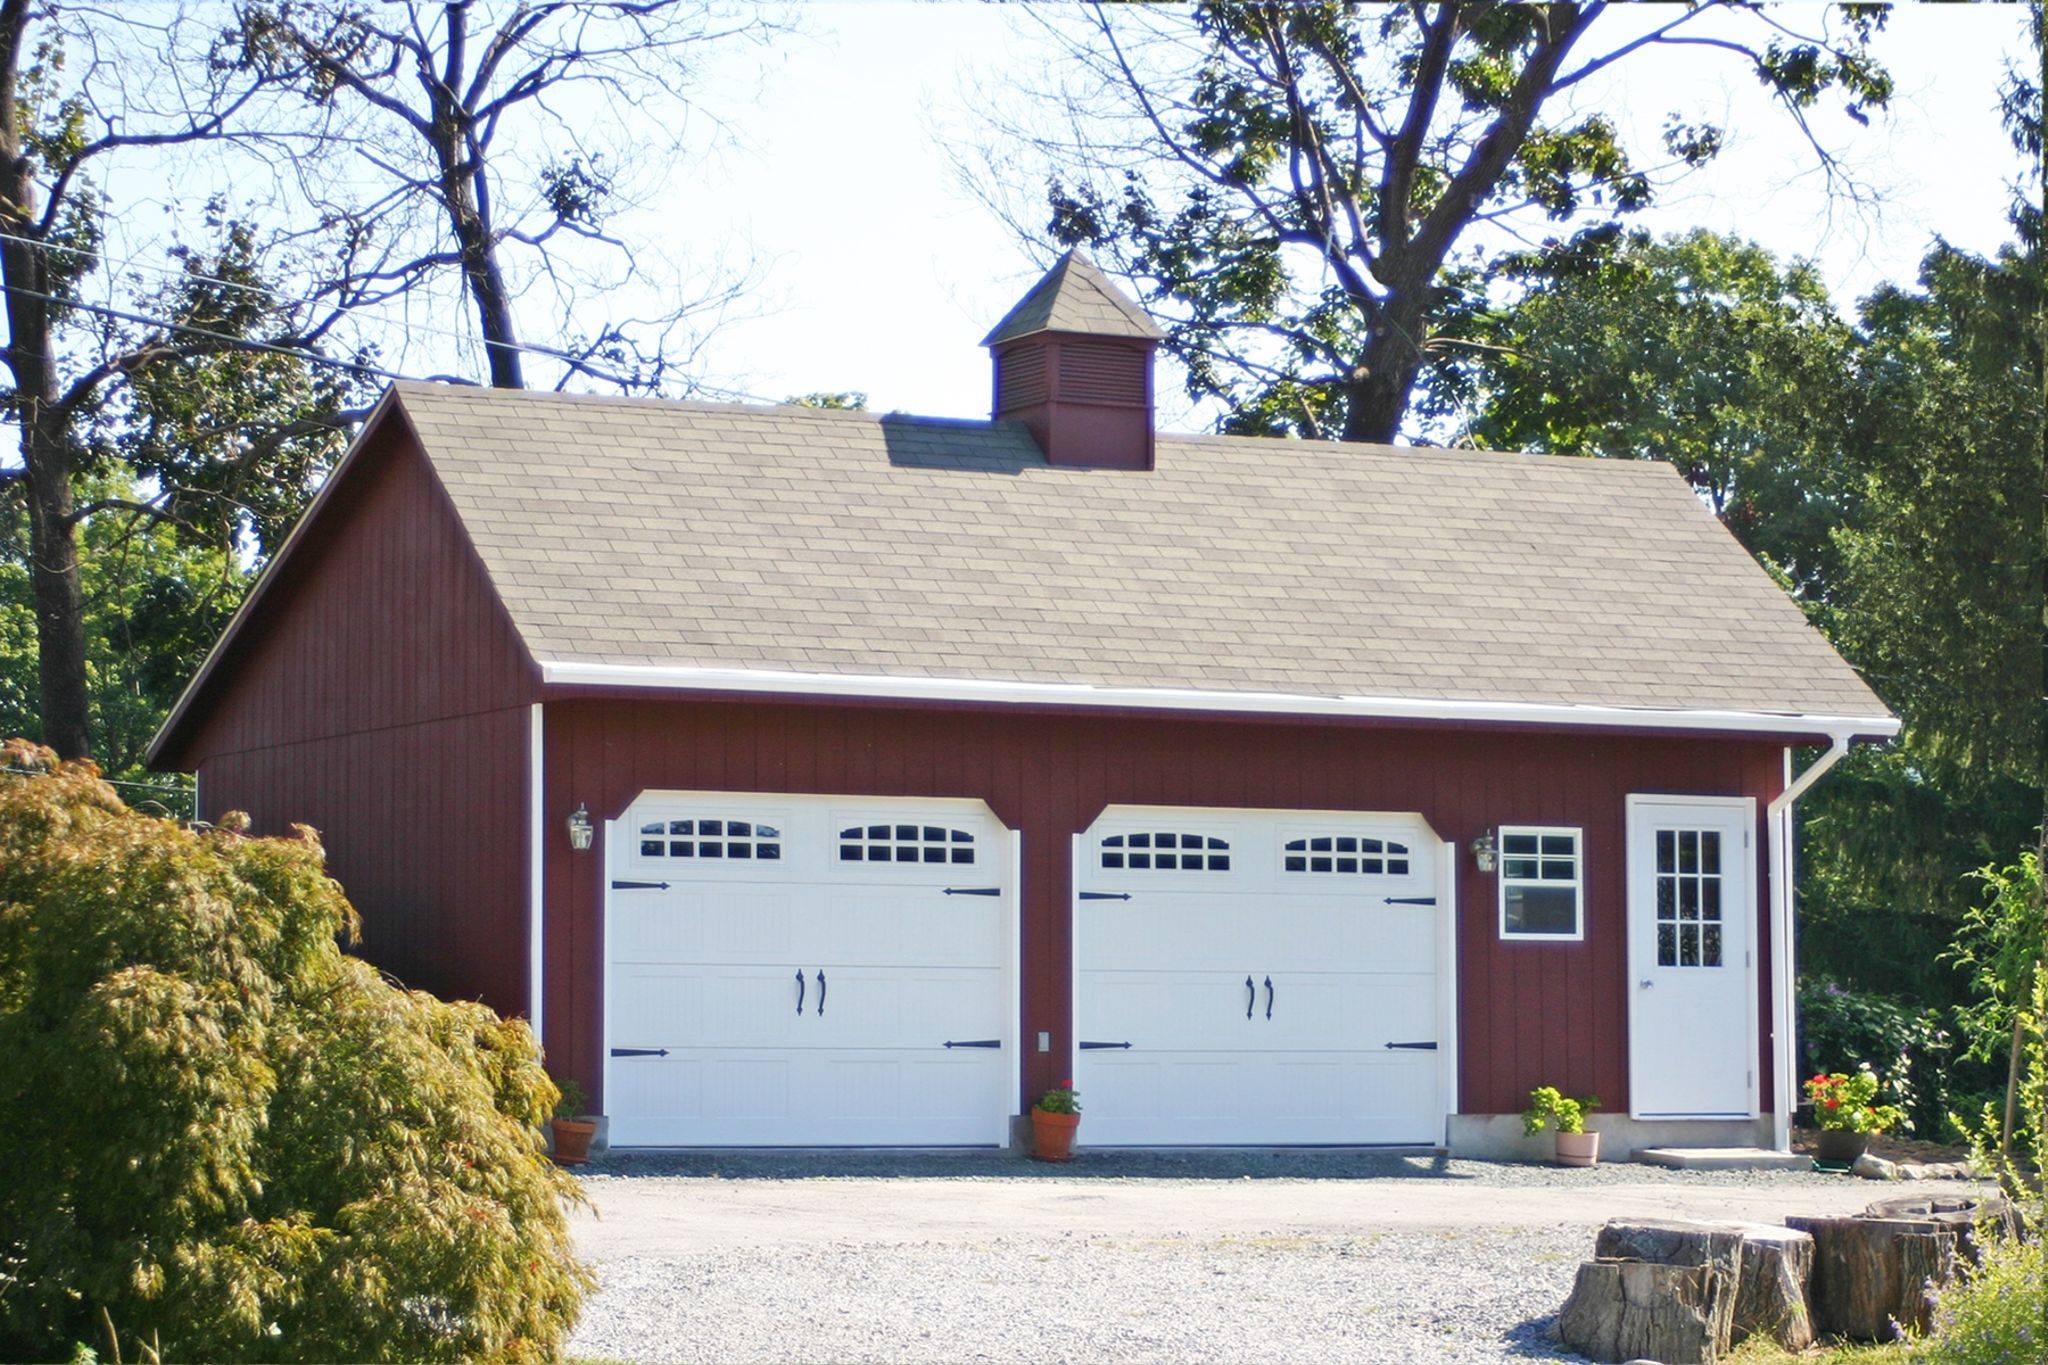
1267,1257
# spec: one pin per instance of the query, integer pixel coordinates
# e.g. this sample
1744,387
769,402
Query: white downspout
1784,995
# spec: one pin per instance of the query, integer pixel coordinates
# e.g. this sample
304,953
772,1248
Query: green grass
1760,1351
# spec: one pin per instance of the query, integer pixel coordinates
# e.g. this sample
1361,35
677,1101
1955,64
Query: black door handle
821,992
1251,997
1414,1047
799,990
639,1052
1269,997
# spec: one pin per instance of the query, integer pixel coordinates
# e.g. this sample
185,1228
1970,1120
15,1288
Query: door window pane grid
1341,853
1165,851
1689,887
906,843
726,840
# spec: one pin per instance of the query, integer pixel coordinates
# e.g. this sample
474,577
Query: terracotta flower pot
1841,1147
1578,1149
1052,1135
572,1140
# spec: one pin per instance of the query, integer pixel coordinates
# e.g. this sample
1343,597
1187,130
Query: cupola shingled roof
1075,296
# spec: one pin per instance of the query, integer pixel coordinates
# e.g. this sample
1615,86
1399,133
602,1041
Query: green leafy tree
154,604
235,1141
1295,187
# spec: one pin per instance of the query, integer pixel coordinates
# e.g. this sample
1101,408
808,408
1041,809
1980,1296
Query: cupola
1073,363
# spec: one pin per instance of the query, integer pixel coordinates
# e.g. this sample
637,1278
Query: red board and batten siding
382,697
1529,1013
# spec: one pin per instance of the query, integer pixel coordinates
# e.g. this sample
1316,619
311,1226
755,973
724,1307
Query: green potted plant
1551,1108
573,1128
1846,1111
1053,1121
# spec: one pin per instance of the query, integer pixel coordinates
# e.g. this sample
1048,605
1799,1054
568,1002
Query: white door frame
1447,934
1639,805
1011,1033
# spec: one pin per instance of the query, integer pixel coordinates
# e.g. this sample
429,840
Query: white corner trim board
1000,690
536,870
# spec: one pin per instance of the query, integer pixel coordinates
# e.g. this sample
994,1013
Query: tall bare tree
1291,184
494,144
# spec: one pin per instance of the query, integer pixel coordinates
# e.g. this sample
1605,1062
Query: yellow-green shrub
229,1139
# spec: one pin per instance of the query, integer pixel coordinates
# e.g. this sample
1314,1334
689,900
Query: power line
239,343
171,272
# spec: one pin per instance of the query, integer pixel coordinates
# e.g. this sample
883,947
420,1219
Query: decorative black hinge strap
974,891
1097,1047
639,886
1105,895
1414,1047
1410,900
976,1042
639,1052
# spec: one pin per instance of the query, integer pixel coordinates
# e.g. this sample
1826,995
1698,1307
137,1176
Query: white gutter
998,690
1784,976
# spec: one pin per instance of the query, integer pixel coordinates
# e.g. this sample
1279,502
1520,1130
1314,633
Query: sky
882,271
826,160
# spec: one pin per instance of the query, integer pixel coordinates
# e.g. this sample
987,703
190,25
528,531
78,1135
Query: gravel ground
1153,1256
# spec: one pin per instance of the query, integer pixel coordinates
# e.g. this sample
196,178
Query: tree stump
1771,1300
1871,1275
1632,1310
1964,1215
1770,1266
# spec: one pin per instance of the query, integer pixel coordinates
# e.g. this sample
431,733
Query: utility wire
171,272
239,343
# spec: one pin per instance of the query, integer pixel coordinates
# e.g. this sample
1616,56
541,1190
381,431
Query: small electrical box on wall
1045,1042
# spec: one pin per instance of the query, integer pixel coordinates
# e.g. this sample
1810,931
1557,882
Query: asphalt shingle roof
629,531
1074,296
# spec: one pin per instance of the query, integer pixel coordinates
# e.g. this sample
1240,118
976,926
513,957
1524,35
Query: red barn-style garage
831,778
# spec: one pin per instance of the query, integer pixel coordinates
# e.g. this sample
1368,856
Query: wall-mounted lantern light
1482,851
580,828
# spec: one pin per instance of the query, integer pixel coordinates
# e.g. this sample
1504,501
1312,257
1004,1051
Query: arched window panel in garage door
893,842
701,838
1346,854
1164,851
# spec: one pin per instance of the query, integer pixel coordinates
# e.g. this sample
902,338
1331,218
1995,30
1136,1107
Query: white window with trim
1542,883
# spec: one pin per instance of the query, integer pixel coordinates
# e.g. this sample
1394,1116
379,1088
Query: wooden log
1771,1299
1871,1275
1635,1310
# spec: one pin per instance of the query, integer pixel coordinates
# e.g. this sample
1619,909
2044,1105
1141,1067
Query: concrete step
1723,1159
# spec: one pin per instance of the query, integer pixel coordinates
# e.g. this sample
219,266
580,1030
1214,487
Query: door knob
1646,983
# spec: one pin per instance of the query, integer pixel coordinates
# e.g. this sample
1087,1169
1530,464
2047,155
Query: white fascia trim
999,690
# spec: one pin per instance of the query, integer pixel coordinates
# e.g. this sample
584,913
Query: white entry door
1252,977
809,971
1692,958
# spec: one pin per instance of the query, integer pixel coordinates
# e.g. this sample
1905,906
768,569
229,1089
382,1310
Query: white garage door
809,971
1261,977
